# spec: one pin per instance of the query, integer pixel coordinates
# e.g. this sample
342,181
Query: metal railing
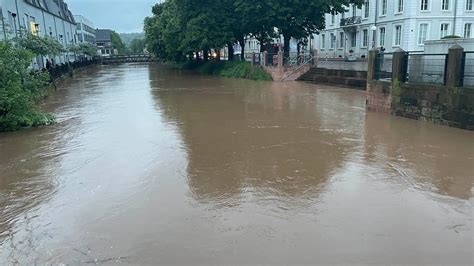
467,69
306,61
383,66
426,68
350,21
66,69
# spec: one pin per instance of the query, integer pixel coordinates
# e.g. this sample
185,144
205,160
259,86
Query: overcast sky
123,16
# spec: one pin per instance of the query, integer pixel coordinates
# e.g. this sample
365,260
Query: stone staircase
340,77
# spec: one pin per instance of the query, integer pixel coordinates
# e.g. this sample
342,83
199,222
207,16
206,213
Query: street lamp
374,32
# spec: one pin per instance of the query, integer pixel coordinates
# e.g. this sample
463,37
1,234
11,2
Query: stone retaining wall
378,96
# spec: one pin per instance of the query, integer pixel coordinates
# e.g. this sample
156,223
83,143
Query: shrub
230,69
20,90
451,37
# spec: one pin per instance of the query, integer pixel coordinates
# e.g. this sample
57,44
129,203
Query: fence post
264,63
280,61
454,67
399,66
315,57
372,64
253,59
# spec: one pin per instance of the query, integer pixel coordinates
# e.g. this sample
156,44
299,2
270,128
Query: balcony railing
351,21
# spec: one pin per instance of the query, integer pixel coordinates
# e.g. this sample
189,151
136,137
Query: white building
393,24
46,18
85,30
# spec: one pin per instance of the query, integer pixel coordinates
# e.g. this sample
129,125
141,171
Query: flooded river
148,165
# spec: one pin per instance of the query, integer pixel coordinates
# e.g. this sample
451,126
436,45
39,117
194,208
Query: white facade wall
85,30
49,24
411,19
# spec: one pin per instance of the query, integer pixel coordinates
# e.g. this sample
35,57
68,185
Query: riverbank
229,69
23,89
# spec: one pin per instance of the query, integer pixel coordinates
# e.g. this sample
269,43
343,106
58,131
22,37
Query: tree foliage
83,48
117,43
40,45
181,28
137,46
20,89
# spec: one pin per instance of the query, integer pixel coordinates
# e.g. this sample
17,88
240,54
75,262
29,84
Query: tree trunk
230,51
286,47
242,46
205,53
262,45
218,54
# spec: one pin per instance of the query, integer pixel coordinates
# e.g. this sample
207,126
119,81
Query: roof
83,20
56,7
103,35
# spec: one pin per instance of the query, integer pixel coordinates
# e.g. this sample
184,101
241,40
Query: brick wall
378,96
442,105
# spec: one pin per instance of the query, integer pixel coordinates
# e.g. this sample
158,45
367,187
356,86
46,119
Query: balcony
351,21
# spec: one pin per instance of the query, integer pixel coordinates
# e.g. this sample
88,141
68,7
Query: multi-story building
393,24
105,47
45,18
85,30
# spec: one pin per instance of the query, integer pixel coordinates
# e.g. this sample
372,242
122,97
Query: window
332,41
333,19
384,7
366,9
365,39
323,41
422,33
400,6
444,30
354,10
424,5
398,35
467,30
382,36
445,5
10,22
469,5
353,39
341,39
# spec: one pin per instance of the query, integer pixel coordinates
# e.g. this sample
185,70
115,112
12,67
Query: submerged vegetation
20,90
230,69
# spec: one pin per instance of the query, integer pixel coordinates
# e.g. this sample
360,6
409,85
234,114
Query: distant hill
128,37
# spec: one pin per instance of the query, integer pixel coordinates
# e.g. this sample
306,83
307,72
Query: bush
451,37
20,90
230,69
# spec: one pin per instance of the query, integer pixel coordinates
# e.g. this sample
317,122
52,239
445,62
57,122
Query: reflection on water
151,165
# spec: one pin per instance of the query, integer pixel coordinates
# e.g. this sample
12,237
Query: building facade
45,18
105,47
85,30
393,24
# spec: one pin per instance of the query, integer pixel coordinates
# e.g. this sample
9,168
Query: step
334,80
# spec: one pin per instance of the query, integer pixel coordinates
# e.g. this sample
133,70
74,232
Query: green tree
20,90
41,45
117,43
137,46
83,48
181,28
301,18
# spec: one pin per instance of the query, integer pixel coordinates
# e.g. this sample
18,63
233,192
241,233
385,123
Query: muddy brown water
149,165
